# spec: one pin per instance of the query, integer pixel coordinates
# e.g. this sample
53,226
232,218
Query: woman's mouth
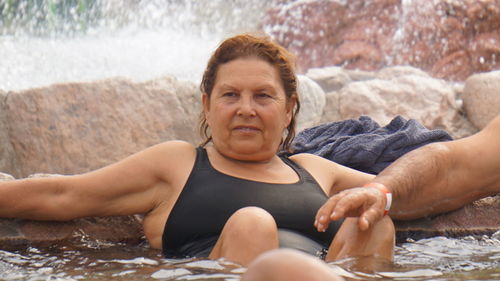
246,129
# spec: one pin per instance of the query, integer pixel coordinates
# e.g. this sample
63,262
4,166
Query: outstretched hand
367,203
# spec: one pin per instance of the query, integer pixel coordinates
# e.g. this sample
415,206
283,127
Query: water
33,62
137,39
438,258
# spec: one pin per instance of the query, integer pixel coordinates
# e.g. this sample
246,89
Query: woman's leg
288,265
247,233
377,241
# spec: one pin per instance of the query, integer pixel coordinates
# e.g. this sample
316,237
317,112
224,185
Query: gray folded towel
364,145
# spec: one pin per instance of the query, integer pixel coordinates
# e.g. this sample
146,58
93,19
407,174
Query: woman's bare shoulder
173,153
170,148
337,176
175,146
308,159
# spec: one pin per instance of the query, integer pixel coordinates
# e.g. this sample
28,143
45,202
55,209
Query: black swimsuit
210,197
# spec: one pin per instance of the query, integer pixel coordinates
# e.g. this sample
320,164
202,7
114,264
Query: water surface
438,258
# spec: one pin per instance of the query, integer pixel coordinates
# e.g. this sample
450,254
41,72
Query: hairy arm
133,185
444,176
436,178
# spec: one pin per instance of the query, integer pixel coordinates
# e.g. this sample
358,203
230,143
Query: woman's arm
134,185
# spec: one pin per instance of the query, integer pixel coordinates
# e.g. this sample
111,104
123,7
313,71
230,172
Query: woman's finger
323,215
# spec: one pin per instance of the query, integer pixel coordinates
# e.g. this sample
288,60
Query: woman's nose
246,107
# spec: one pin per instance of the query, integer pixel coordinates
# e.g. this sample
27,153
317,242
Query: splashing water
32,62
45,43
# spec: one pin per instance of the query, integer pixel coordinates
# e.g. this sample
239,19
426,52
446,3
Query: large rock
482,98
7,158
449,39
76,127
331,78
392,91
312,101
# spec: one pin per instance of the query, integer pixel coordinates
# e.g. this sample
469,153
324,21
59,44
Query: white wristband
386,191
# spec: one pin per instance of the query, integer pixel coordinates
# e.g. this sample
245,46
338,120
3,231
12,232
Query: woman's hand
367,203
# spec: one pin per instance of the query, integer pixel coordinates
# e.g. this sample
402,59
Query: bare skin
247,113
436,178
288,265
450,175
242,101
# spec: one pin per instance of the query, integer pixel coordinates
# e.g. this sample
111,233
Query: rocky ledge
478,218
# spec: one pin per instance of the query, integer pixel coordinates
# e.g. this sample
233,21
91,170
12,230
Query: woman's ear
205,99
290,108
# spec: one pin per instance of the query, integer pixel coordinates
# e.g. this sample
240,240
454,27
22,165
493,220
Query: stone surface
6,150
330,78
76,127
312,102
6,177
481,96
331,111
480,217
404,91
85,232
449,39
392,72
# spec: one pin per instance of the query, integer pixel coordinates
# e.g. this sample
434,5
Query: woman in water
234,196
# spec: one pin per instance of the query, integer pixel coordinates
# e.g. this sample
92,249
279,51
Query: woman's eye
263,95
229,94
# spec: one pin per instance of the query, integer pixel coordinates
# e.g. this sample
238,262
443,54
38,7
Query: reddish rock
449,39
77,127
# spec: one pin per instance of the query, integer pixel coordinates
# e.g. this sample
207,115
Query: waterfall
50,41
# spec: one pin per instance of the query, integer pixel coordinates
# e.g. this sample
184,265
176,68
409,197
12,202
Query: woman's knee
253,221
387,227
385,230
378,240
253,217
247,233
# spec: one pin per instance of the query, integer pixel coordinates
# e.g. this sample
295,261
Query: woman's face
248,110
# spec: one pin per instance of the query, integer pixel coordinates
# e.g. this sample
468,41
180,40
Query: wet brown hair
246,46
